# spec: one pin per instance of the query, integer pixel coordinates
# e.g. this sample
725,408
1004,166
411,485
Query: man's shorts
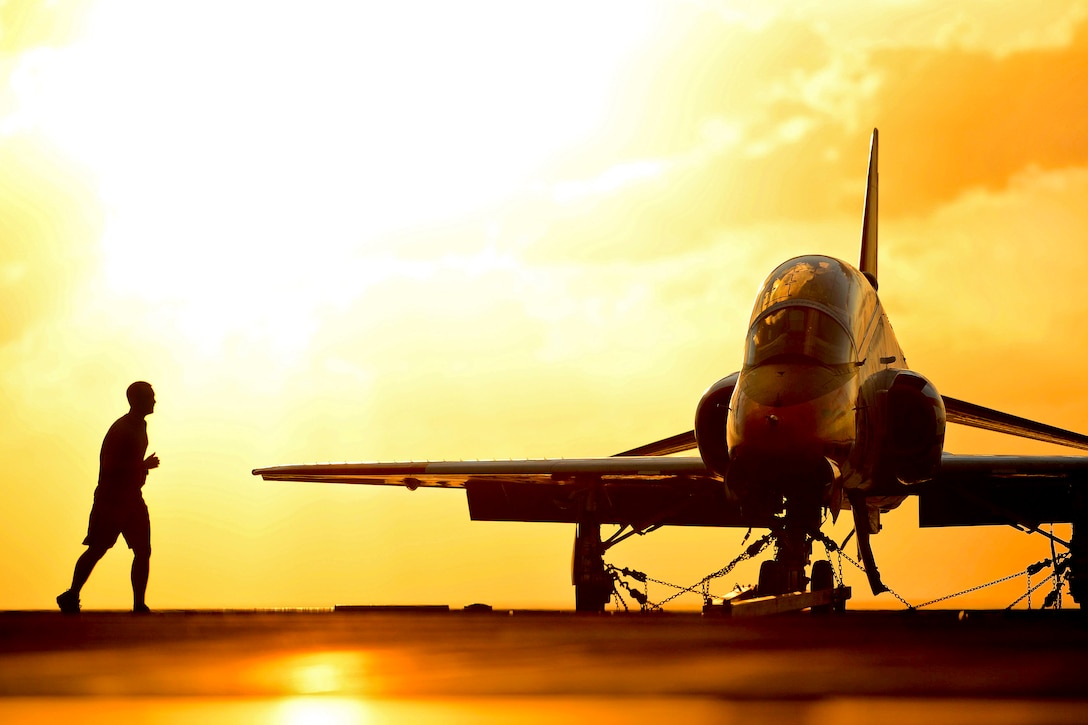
110,519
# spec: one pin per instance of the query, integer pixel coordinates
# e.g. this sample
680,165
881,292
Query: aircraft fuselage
809,416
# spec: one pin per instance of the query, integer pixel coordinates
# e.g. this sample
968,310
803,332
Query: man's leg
137,533
141,567
69,600
85,565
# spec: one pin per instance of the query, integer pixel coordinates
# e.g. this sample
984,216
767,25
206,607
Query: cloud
50,217
28,24
747,124
954,120
986,294
701,68
49,227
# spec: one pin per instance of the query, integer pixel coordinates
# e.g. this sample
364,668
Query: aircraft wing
976,416
1023,491
639,491
673,444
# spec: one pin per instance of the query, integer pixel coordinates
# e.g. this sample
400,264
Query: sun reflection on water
323,710
324,675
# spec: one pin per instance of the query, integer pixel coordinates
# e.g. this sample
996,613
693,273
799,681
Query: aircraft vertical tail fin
867,265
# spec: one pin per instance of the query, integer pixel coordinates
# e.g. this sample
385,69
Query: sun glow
261,155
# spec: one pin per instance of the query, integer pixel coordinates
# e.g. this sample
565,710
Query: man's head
141,398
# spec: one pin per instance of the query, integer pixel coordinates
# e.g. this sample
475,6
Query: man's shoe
68,602
140,609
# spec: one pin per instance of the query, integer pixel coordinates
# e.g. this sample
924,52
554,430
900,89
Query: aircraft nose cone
791,417
772,432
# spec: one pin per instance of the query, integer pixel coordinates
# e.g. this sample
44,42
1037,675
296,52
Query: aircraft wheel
591,597
772,579
823,577
1078,583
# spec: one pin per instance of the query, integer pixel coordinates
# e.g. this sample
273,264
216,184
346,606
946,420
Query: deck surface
380,666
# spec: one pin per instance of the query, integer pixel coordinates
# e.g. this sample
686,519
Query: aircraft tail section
867,265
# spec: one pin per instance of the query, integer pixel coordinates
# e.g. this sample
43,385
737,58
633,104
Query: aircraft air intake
711,417
908,419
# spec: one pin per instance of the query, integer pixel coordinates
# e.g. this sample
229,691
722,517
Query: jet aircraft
823,416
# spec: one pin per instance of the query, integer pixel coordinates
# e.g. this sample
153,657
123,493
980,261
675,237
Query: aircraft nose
771,432
787,420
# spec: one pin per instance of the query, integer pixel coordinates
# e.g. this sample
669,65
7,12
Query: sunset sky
424,230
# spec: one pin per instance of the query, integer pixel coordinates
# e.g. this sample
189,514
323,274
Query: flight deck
439,664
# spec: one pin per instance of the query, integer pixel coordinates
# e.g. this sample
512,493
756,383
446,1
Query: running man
119,507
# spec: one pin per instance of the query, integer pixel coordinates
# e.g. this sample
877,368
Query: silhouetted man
119,507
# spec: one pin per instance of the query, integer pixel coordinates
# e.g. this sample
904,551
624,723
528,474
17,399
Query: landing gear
786,573
783,581
774,596
772,579
823,579
864,526
1077,575
593,585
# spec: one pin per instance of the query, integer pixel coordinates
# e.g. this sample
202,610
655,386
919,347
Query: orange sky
425,231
